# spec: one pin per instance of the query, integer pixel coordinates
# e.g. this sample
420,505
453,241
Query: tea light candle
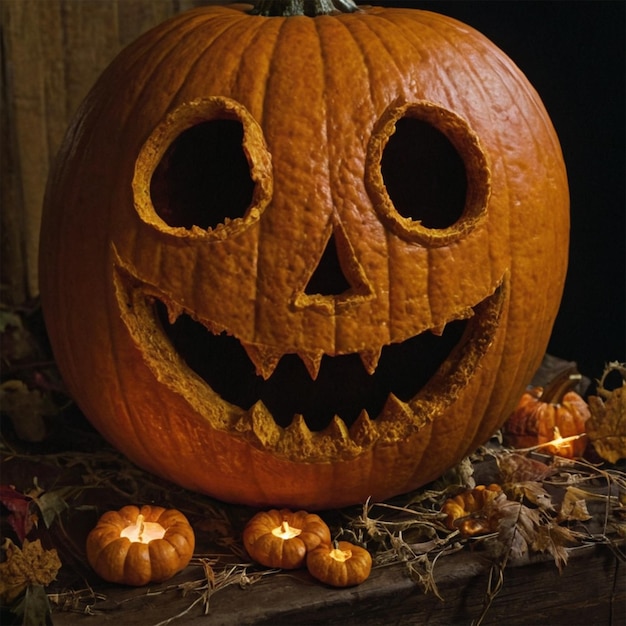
142,531
282,538
136,546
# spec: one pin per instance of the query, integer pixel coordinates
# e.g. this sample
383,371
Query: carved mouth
342,387
351,403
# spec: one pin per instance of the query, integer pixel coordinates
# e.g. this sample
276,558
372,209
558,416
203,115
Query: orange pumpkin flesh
204,336
120,559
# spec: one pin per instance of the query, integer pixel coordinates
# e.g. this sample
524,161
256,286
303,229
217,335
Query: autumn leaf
532,491
26,409
52,503
517,527
517,468
574,506
18,344
30,565
606,427
553,539
21,518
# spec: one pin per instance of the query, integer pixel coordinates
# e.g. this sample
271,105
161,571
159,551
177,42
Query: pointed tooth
174,311
298,428
264,359
312,362
395,410
337,430
438,330
335,440
401,413
265,429
370,360
297,440
363,431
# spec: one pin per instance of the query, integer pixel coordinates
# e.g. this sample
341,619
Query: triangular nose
338,282
328,279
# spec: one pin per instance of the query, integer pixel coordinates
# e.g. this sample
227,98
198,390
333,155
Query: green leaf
52,503
34,607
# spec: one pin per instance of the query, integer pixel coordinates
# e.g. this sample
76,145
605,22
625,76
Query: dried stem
311,8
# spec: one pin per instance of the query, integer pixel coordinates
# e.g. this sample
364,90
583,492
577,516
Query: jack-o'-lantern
300,261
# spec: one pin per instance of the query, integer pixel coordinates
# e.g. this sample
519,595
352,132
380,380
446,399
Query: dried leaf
517,468
553,538
18,344
26,409
52,504
532,491
30,565
606,427
21,519
573,507
515,527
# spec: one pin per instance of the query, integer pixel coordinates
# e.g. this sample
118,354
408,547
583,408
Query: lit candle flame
284,531
142,531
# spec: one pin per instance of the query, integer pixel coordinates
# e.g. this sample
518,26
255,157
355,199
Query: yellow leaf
30,565
606,427
573,506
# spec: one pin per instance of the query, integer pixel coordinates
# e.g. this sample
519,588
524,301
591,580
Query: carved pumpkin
295,261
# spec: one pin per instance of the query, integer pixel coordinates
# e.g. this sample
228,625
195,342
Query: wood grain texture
590,590
52,53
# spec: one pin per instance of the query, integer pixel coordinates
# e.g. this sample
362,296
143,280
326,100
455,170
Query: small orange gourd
120,548
547,415
282,538
341,564
468,512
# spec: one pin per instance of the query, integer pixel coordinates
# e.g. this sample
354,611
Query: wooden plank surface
590,591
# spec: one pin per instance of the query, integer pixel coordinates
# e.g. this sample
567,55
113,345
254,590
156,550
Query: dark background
574,55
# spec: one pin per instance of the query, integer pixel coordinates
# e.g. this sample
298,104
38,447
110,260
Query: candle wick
285,526
140,520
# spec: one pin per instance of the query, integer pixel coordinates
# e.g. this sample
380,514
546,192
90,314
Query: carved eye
203,169
203,178
424,174
427,174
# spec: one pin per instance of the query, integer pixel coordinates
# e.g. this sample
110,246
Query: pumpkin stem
311,8
560,385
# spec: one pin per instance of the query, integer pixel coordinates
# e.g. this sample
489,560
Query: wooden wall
52,52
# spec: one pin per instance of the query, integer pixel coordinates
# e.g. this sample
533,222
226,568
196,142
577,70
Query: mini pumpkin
282,538
285,259
341,564
137,546
548,415
469,512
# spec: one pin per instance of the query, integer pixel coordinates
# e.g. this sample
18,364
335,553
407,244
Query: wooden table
591,591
